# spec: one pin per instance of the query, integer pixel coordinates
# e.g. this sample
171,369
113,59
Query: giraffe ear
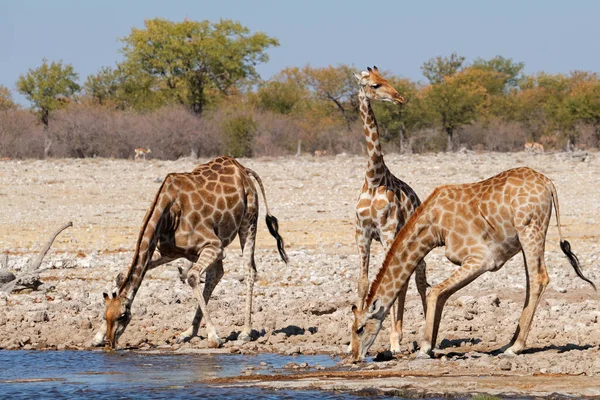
119,280
364,74
376,310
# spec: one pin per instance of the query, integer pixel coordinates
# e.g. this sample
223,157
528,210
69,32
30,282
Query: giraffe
385,202
195,216
482,226
141,152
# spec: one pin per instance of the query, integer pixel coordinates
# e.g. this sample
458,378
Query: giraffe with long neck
482,225
194,216
385,202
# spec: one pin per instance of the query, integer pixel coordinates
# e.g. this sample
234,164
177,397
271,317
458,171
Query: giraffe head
117,315
366,326
377,88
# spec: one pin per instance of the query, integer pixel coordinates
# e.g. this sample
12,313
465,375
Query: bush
239,132
21,136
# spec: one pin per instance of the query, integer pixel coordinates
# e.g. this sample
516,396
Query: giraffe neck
136,274
375,165
145,246
411,245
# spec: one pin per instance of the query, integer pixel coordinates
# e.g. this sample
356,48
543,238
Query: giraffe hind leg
247,235
532,243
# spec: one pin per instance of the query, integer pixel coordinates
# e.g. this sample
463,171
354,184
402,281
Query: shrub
21,136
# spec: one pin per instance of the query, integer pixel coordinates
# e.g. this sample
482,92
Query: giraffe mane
400,236
136,254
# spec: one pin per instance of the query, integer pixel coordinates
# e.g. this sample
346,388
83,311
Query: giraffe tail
272,223
565,246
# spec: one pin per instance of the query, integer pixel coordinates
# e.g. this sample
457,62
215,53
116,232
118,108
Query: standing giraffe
482,225
195,216
385,202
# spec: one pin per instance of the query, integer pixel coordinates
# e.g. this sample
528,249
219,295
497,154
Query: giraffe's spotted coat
482,225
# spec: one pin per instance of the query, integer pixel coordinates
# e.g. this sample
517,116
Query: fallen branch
30,279
38,261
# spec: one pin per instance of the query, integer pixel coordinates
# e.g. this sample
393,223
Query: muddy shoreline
303,308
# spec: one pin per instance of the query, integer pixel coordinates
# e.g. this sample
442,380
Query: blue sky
398,36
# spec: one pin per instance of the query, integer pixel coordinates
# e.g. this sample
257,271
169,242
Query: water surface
125,375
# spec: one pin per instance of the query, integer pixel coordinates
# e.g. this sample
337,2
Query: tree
336,85
438,68
583,104
283,93
124,88
399,123
457,100
6,101
49,87
191,60
510,72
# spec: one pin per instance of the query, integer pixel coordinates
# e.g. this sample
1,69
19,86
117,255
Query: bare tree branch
36,264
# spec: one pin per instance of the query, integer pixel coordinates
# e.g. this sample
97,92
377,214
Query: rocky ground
304,307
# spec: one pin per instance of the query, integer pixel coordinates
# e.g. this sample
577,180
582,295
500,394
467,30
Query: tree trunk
449,145
196,96
299,152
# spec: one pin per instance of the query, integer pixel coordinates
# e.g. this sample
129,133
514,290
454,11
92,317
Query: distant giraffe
195,216
385,202
320,153
482,225
141,152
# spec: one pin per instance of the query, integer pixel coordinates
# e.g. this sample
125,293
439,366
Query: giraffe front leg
214,275
397,316
363,242
470,269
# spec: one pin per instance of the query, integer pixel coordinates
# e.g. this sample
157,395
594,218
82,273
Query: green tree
49,87
583,104
510,72
6,101
239,132
283,93
400,123
124,89
335,85
458,100
189,60
103,86
438,68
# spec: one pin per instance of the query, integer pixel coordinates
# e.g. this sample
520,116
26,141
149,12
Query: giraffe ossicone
482,225
195,216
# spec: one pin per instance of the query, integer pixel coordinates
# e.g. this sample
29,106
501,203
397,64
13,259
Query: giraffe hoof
422,356
509,353
215,343
182,339
244,337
